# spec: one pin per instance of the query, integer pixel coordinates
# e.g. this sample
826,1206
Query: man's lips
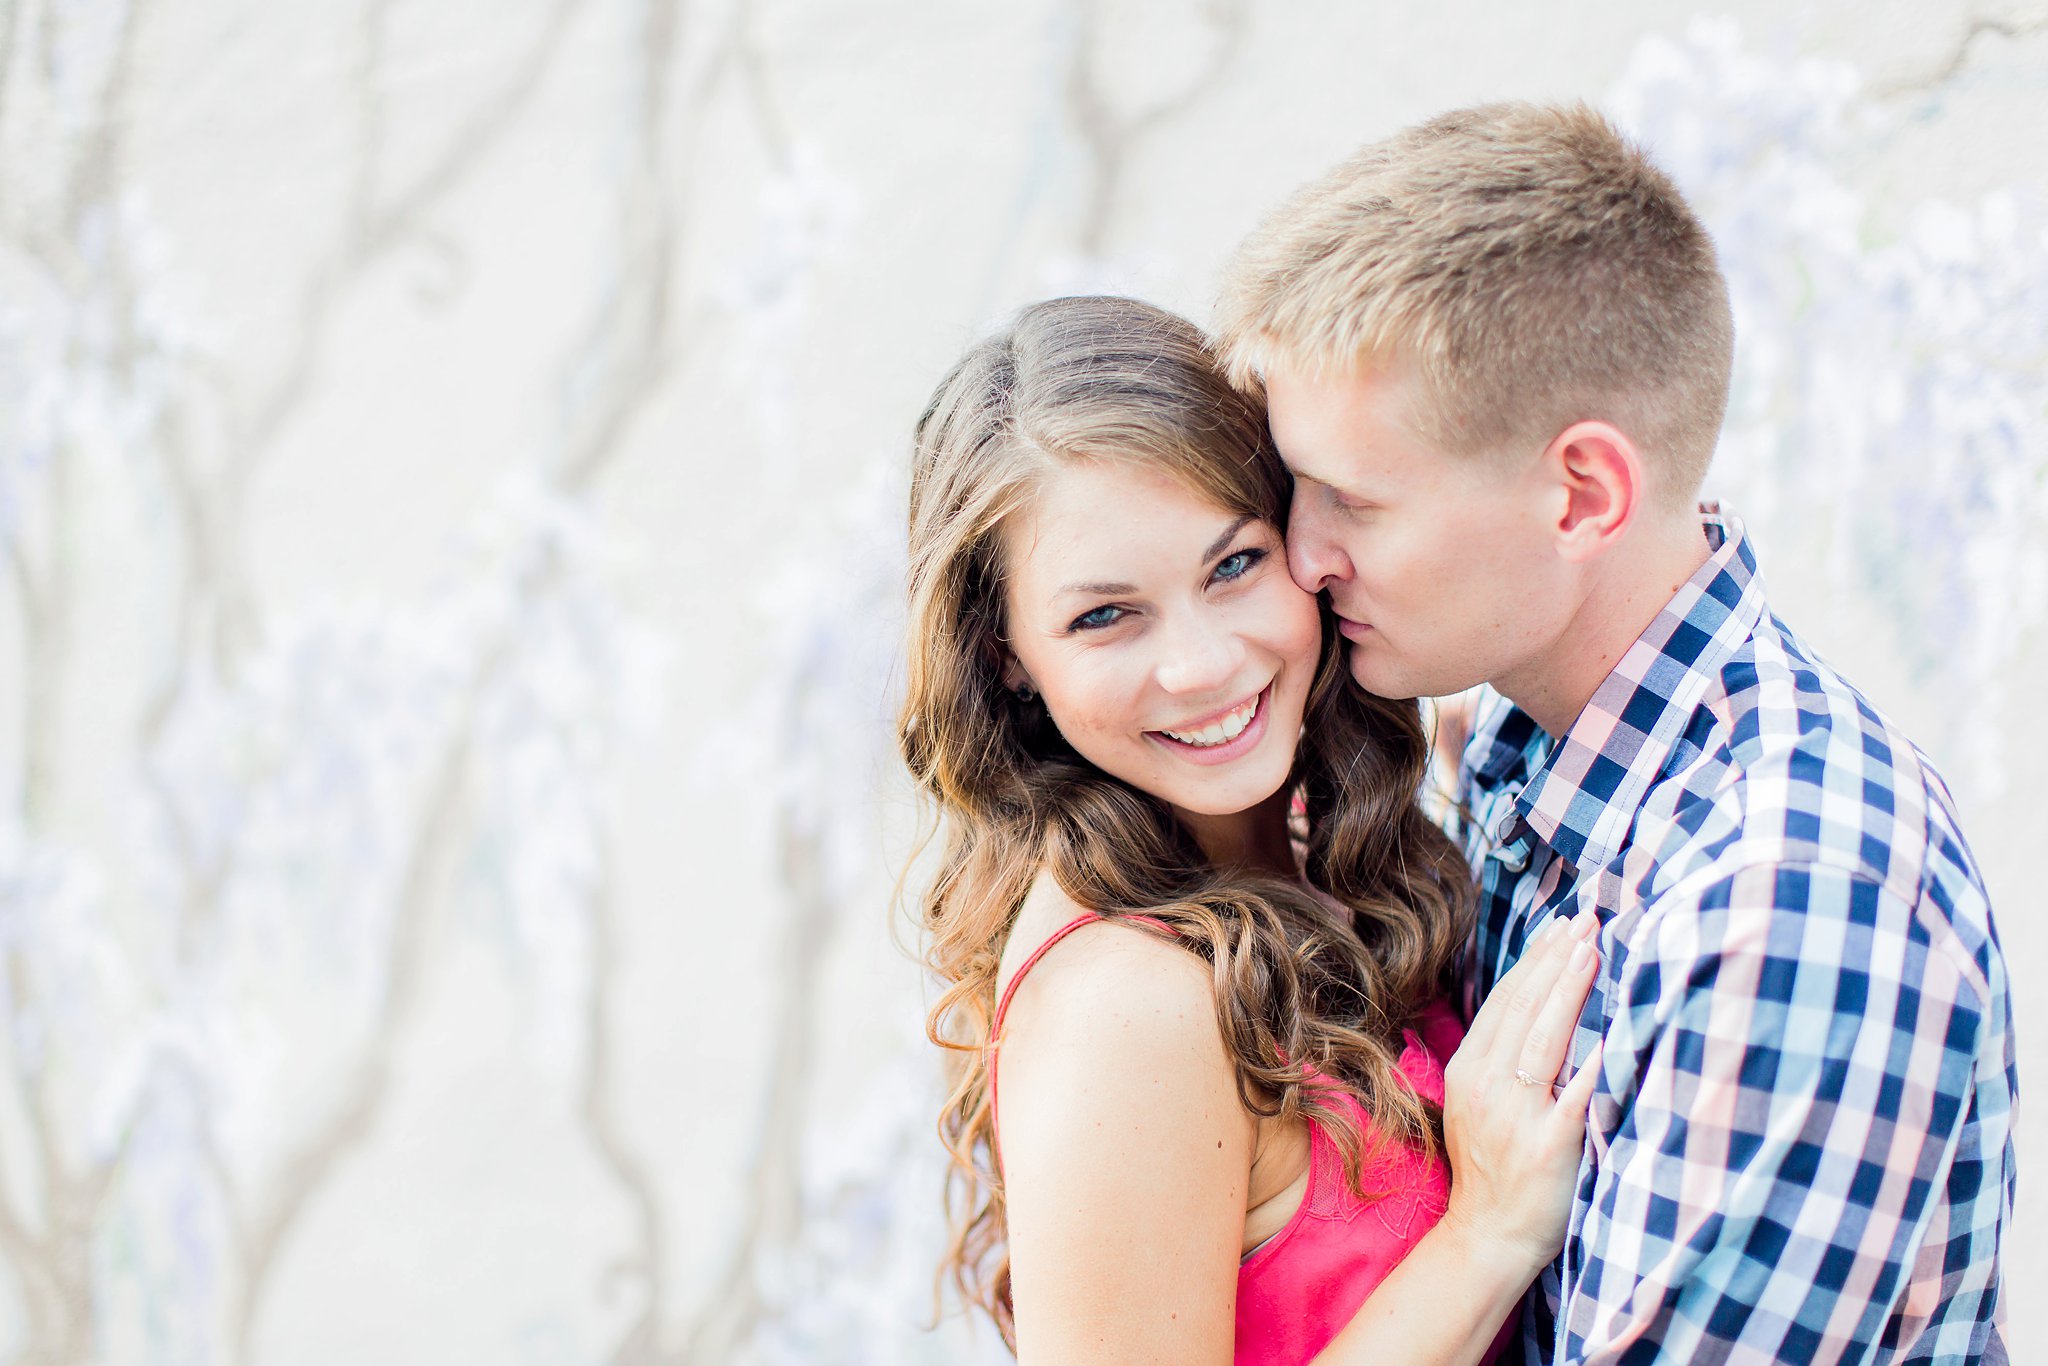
1351,630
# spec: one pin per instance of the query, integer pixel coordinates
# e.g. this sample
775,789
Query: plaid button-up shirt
1800,1147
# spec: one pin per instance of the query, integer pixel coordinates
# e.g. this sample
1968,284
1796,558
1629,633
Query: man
1496,349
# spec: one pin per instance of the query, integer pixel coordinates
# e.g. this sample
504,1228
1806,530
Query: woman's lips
1241,743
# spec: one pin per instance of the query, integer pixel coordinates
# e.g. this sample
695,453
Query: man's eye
1096,619
1236,566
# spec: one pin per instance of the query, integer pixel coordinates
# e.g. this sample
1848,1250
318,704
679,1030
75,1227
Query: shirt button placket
1511,850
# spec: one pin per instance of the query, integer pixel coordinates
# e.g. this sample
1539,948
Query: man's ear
1599,472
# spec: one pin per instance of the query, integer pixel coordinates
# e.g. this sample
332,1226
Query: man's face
1440,566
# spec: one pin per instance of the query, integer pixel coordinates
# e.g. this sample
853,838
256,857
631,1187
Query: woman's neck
1255,838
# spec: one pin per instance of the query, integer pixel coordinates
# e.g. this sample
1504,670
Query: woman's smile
1220,737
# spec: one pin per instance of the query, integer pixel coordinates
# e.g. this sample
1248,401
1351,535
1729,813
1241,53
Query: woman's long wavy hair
1300,984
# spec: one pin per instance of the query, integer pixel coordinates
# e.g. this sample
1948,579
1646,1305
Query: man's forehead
1331,427
1334,395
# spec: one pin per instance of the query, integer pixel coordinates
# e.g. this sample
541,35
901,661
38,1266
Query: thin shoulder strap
995,1028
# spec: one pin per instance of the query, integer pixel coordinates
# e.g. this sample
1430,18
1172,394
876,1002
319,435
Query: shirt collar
1584,796
1498,752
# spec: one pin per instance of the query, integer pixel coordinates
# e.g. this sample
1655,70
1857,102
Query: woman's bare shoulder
1115,1007
1104,965
1125,1151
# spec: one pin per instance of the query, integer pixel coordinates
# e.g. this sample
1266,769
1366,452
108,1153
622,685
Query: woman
1221,1047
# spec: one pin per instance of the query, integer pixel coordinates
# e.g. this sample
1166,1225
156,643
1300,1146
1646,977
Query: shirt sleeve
1786,1087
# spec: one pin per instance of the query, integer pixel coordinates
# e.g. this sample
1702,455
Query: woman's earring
1025,693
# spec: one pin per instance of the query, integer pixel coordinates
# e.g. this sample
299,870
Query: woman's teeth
1229,728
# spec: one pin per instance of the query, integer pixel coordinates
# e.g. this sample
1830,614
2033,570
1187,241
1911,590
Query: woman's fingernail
1582,954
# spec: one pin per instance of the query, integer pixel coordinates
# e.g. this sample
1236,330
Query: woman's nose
1200,660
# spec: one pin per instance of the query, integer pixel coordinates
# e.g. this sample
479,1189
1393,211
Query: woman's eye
1237,565
1096,619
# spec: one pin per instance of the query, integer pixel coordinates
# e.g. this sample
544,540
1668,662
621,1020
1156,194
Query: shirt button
1505,830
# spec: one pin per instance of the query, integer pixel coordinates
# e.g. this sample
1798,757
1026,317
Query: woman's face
1163,633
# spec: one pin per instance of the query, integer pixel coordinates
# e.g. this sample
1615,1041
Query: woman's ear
1014,676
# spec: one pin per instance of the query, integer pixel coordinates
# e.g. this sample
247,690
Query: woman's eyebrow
1101,590
1111,590
1216,547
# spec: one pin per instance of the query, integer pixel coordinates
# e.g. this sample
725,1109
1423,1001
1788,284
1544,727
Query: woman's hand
1515,1144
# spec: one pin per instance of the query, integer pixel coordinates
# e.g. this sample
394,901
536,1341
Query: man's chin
1373,676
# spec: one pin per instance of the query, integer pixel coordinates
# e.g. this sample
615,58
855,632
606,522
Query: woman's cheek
1097,703
1297,625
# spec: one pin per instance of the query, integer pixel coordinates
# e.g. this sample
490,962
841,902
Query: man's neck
1623,602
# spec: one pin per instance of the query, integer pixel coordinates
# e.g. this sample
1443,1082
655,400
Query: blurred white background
449,468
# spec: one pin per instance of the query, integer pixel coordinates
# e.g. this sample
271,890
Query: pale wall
444,457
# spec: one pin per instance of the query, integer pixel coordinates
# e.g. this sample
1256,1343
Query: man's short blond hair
1531,266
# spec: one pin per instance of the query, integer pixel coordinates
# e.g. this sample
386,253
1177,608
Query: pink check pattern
1801,1141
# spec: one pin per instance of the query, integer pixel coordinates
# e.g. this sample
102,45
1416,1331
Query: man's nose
1200,658
1314,558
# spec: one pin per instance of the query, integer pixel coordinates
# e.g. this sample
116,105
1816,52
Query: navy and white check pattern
1801,1141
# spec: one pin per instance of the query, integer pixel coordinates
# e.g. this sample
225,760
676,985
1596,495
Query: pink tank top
1297,1289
